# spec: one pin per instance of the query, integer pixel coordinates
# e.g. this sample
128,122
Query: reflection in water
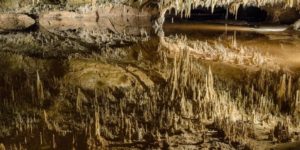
222,27
91,22
143,95
282,46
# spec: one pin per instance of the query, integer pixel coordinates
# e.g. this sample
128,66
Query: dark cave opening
245,15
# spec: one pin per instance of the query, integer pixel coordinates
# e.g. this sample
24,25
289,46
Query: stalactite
213,5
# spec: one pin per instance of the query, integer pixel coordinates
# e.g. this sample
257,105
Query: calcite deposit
149,74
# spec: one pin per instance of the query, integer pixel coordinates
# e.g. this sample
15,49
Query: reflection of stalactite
234,42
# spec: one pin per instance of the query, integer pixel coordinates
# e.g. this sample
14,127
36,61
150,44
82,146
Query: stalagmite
46,120
39,87
213,88
289,88
129,130
140,134
234,41
174,85
2,147
13,95
282,88
97,125
80,99
94,5
290,3
209,86
41,138
53,142
183,105
297,103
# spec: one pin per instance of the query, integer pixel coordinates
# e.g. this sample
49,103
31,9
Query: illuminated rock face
116,19
15,22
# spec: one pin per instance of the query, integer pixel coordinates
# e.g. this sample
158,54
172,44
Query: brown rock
15,22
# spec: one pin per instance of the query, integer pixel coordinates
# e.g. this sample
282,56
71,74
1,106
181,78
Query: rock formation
104,74
10,21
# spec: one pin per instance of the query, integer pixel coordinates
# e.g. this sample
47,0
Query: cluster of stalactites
184,7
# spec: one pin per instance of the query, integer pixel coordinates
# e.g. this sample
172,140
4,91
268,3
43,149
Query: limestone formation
107,74
11,22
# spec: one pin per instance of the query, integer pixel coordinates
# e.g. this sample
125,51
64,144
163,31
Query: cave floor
63,89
